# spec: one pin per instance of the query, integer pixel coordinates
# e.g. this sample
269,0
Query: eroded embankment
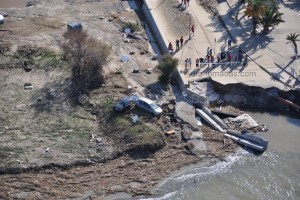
249,97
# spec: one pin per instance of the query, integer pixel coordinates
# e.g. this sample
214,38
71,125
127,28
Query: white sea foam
198,173
204,171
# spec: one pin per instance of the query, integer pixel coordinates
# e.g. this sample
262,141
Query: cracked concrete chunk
185,114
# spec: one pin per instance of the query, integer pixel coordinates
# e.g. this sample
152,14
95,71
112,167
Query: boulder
197,146
185,114
243,121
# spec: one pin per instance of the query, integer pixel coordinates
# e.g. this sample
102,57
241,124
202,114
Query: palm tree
270,18
293,38
255,9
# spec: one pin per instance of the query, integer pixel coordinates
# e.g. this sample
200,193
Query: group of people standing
224,56
179,44
185,3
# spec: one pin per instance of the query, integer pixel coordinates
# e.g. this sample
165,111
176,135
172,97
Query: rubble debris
192,135
28,86
243,121
127,30
185,114
135,36
170,132
154,57
198,118
223,114
135,70
134,118
74,26
124,58
197,146
204,90
148,71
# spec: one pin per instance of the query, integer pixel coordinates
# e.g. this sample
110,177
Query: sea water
273,175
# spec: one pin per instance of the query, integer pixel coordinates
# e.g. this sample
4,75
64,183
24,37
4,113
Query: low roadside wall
154,29
163,45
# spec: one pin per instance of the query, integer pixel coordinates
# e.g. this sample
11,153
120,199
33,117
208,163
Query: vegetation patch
134,27
166,67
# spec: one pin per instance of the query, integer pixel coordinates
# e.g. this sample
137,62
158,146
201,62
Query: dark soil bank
270,99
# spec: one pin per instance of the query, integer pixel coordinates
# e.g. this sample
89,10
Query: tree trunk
265,30
254,25
296,49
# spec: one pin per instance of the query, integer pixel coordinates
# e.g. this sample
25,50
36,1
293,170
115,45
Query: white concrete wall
155,30
181,80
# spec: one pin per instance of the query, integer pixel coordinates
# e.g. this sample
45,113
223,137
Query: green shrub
166,66
133,26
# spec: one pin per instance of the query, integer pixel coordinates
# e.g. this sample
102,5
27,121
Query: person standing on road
186,61
219,57
207,51
184,2
193,29
170,47
181,41
229,43
210,52
245,63
240,55
177,45
190,63
197,63
229,57
187,2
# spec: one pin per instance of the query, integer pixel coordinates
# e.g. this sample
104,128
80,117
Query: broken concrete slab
244,121
185,114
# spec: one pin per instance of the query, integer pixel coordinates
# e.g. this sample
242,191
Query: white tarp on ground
1,19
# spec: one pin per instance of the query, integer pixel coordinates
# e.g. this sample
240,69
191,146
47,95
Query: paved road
270,57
